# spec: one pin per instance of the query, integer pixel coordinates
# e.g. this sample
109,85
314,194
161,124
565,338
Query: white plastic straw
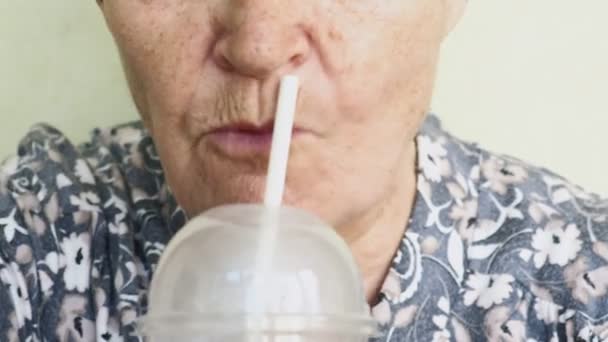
281,140
275,186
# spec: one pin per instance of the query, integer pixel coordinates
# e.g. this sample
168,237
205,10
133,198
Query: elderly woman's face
204,75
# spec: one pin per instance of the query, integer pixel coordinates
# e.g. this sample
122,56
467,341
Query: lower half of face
366,83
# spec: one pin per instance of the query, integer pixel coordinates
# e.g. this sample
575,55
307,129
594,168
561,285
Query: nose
261,38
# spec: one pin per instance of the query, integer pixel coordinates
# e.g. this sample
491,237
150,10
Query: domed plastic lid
211,282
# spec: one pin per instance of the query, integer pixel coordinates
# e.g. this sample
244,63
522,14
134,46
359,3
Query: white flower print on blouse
593,333
443,334
107,327
12,276
10,226
586,284
77,261
556,243
54,262
86,201
486,290
499,327
83,172
72,326
546,311
433,159
500,174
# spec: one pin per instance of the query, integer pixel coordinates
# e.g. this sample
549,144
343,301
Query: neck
375,236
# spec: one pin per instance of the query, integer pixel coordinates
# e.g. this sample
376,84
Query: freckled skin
367,69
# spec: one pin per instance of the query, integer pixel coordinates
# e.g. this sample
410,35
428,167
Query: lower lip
239,143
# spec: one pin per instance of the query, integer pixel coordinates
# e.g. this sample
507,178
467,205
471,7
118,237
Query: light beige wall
57,65
528,78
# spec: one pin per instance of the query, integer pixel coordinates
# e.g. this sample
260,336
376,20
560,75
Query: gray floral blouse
496,250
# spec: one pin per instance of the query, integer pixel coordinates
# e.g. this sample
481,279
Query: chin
238,189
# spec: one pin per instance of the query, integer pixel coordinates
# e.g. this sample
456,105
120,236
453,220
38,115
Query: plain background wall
57,65
528,78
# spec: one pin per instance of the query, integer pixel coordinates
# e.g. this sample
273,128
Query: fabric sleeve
18,283
49,212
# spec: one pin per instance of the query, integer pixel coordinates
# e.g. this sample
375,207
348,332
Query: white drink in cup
259,273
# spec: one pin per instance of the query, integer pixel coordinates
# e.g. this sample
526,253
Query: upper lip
245,127
250,128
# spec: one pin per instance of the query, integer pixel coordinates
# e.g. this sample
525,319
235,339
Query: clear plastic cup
210,285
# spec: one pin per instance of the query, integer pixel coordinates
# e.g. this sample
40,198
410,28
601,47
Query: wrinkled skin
367,69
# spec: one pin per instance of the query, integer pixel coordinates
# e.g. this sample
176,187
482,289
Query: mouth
246,139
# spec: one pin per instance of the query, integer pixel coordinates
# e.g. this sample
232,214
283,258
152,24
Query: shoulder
550,222
49,167
545,233
529,234
53,191
70,219
47,197
52,180
510,198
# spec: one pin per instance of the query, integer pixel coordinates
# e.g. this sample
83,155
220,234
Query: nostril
260,50
224,63
296,60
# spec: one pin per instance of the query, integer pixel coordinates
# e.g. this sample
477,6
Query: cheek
162,53
392,74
